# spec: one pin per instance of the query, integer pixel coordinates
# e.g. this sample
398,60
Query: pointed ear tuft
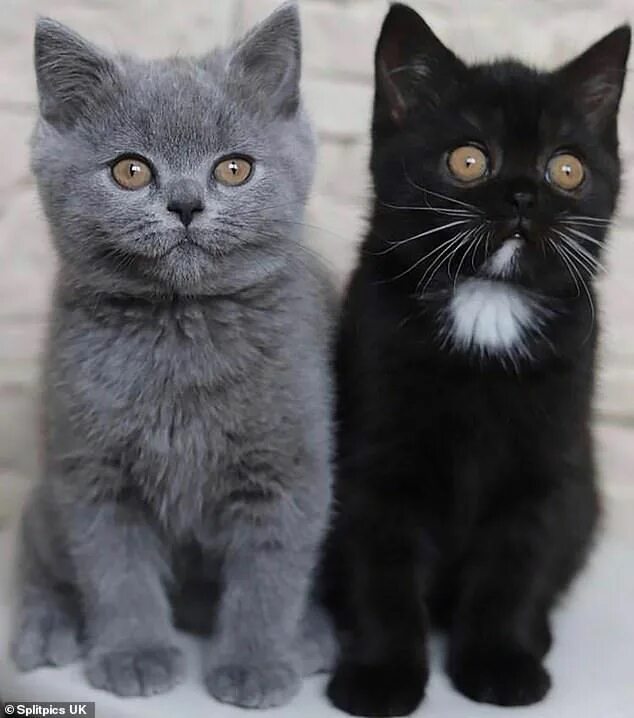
595,78
72,74
269,57
409,60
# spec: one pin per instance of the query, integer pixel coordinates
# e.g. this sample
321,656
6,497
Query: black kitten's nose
524,201
186,207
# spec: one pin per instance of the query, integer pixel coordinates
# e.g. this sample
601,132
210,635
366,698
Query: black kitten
466,366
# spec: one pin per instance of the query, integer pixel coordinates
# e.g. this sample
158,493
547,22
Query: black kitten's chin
505,261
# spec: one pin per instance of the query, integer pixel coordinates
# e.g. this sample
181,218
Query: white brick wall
339,39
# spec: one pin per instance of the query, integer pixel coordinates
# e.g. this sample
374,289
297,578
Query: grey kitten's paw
46,637
138,671
262,686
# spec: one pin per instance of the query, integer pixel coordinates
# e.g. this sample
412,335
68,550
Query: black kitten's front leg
500,631
383,668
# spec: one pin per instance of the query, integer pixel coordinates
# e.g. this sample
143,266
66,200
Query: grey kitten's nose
184,197
185,207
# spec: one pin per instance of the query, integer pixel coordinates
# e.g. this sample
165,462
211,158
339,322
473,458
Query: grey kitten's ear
72,74
411,64
269,57
594,80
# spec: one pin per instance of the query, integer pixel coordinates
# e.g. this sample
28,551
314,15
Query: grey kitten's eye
132,173
565,172
233,171
468,163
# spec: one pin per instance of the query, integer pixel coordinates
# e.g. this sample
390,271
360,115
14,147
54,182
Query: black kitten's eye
565,172
468,163
233,171
132,173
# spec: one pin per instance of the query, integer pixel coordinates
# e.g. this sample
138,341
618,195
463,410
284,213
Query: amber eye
468,163
132,173
565,171
233,171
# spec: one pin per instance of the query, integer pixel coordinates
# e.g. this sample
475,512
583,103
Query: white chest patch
491,317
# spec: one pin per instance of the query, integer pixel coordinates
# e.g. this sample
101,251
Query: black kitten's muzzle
519,227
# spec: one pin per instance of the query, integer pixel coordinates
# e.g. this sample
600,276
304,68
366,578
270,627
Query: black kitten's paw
505,678
390,689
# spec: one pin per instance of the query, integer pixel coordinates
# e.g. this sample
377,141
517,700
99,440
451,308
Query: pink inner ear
599,91
390,63
596,76
406,52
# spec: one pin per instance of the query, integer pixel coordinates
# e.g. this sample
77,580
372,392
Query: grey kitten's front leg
254,659
47,626
252,662
121,566
317,642
47,629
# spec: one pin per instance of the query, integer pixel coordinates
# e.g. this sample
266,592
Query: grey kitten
187,412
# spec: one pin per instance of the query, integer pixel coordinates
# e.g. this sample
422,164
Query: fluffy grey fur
187,391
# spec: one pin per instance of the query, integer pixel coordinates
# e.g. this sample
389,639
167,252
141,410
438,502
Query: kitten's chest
161,391
166,359
489,318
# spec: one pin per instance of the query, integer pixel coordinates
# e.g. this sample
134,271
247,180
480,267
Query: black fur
466,490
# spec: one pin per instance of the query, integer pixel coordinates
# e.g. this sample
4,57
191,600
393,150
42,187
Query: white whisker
482,232
433,230
585,217
418,262
582,223
473,242
585,236
447,256
566,262
585,259
586,289
447,198
466,238
441,210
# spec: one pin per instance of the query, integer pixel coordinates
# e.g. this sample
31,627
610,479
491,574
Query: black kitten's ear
410,61
595,78
72,74
269,57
